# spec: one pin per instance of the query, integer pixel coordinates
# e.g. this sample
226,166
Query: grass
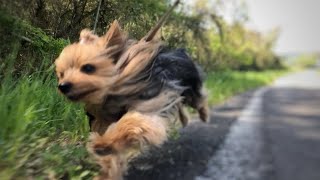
42,135
222,85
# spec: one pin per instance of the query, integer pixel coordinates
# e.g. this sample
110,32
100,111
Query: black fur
175,70
90,118
171,70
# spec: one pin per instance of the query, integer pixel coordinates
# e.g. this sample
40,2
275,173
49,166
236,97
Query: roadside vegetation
303,61
42,135
224,84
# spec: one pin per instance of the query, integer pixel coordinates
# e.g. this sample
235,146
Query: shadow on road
291,132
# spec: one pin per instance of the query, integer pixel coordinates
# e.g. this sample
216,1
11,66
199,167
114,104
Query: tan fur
87,37
183,116
70,61
202,107
132,132
100,51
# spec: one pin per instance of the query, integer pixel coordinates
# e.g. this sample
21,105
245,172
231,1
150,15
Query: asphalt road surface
272,133
291,126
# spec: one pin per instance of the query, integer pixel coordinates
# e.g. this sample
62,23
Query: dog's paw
112,166
103,151
99,146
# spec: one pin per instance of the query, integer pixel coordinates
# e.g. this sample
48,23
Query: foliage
211,40
231,44
224,84
304,61
71,16
25,49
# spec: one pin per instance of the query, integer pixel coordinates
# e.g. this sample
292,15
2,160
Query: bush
25,49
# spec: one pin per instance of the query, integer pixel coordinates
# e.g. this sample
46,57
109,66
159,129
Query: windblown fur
132,91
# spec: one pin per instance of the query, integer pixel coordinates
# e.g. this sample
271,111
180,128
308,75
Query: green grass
222,85
43,135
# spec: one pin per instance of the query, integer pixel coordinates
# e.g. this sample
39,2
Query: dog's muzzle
65,87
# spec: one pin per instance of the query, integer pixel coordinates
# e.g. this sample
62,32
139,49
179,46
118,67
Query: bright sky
298,20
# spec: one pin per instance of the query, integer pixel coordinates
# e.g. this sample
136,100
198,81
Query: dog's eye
88,68
61,74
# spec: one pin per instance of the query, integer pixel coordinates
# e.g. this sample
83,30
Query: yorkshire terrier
132,91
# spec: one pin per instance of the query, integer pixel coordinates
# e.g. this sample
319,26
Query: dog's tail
151,34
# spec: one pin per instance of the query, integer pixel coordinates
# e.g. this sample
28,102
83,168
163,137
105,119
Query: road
277,137
291,126
269,134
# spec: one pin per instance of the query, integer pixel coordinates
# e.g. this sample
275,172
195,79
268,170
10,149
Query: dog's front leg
123,139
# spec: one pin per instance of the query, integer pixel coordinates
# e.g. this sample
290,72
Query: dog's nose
65,87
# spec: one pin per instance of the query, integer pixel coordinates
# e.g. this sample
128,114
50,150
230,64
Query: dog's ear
114,41
87,37
114,35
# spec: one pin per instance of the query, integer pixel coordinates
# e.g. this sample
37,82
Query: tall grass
30,98
41,134
36,121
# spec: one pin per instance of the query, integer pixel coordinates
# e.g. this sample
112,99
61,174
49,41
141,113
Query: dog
132,91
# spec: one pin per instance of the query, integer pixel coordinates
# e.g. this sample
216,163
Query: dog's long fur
132,91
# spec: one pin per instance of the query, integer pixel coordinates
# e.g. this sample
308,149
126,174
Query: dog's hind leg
203,110
202,106
183,116
125,139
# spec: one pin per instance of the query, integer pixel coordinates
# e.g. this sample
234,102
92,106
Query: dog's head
95,66
86,69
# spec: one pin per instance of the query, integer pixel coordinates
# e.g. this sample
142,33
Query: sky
298,20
